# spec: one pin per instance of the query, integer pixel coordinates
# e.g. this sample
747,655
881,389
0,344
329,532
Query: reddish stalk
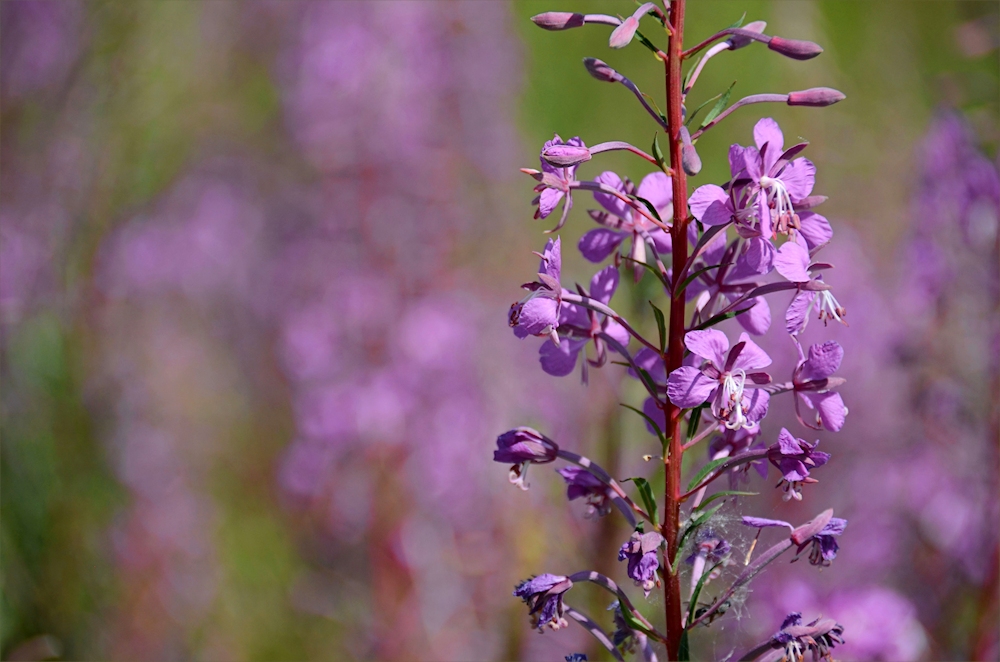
675,346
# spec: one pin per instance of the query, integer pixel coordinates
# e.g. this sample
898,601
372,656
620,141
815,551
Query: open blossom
581,484
554,181
813,382
521,447
538,313
823,546
579,326
793,458
723,378
621,222
544,596
643,560
793,639
794,263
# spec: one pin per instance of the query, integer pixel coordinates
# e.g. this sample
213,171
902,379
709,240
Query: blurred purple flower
641,552
544,596
581,484
793,457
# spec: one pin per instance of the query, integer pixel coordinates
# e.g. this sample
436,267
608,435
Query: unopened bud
690,160
816,97
795,48
600,70
622,35
739,41
558,20
812,527
565,155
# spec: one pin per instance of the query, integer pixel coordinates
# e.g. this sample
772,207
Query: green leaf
694,420
690,279
693,605
647,43
659,432
650,207
631,621
661,326
721,317
719,106
705,470
684,652
658,153
725,493
660,277
690,117
652,102
646,494
739,22
692,526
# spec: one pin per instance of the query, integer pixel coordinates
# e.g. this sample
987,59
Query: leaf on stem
661,326
719,106
721,317
658,153
655,426
705,470
726,493
646,494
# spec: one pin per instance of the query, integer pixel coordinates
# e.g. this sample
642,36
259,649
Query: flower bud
524,444
739,41
816,97
690,160
600,70
565,155
558,20
794,48
805,532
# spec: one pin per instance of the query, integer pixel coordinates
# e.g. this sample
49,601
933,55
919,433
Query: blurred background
255,264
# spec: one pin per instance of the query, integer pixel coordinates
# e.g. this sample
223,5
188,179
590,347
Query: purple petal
824,360
792,469
752,357
652,363
755,402
815,229
560,360
757,320
622,35
834,527
539,315
573,315
792,262
661,240
830,406
709,344
597,244
689,387
618,332
788,444
737,162
551,263
650,408
795,316
799,177
767,132
758,255
657,188
752,163
547,201
610,202
761,522
704,197
604,283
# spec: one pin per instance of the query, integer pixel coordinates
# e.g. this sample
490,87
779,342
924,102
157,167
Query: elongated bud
558,20
690,160
622,35
795,48
816,97
739,41
812,527
525,444
565,155
600,70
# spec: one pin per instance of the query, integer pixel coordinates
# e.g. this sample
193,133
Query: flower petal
560,360
597,244
799,177
761,522
657,188
547,201
704,197
649,408
604,283
752,357
610,202
830,406
792,262
767,132
757,320
798,309
815,229
824,360
689,387
710,344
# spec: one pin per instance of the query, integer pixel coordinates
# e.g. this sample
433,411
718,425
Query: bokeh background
255,262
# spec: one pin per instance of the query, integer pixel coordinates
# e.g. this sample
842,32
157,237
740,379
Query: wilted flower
538,313
581,484
641,553
823,547
793,457
812,382
521,447
794,639
544,596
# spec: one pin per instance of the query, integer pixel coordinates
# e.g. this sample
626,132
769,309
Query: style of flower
792,641
521,447
793,262
581,484
554,180
537,314
823,546
578,326
812,382
640,550
621,222
722,379
544,596
793,457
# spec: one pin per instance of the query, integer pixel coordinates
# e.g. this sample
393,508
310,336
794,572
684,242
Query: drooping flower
793,262
521,447
793,457
537,314
792,641
578,326
723,378
813,382
621,222
544,596
554,181
641,553
581,484
823,546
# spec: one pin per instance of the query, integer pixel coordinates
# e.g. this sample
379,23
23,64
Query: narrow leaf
719,106
659,432
632,622
690,279
739,22
703,104
726,493
650,207
705,470
658,153
694,420
693,605
646,494
721,317
661,326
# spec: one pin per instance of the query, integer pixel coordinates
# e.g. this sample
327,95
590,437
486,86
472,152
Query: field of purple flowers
256,266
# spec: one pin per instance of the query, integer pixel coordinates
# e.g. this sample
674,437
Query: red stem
675,347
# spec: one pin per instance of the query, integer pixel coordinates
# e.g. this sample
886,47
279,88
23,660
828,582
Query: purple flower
583,484
521,447
728,279
620,221
578,326
823,546
641,553
722,378
554,181
793,262
812,382
538,313
793,457
544,596
793,639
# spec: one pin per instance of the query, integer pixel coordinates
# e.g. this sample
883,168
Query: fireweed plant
719,252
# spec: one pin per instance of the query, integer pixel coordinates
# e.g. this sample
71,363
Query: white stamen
829,307
732,393
777,192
